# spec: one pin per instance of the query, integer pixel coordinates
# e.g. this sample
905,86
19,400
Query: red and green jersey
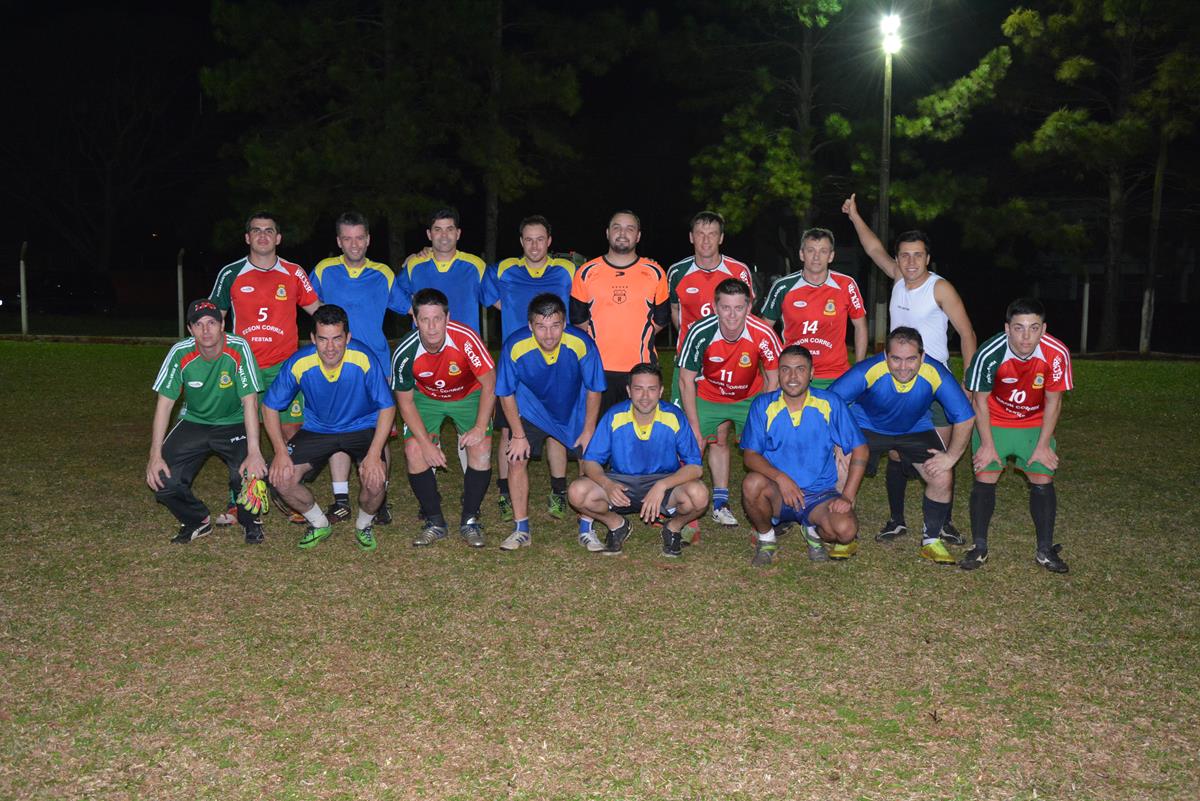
448,375
816,317
264,305
692,288
212,390
729,371
1018,386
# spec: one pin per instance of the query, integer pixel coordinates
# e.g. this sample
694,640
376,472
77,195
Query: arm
942,461
793,496
870,243
661,488
986,454
948,299
518,445
416,427
1042,452
487,401
854,477
687,399
677,315
254,463
281,462
614,492
371,470
158,434
860,338
771,380
312,307
591,414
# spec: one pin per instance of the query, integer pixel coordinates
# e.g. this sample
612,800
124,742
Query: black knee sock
936,515
896,483
424,486
983,504
558,485
475,485
245,519
1043,508
502,486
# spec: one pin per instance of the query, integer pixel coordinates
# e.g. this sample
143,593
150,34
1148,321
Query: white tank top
917,308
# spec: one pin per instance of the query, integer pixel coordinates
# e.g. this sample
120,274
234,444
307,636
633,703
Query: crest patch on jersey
1039,381
281,292
830,308
454,369
744,361
226,382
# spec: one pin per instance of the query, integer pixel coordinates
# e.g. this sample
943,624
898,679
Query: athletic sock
1043,508
936,514
522,525
720,497
364,520
585,525
341,492
475,486
424,486
810,534
767,537
502,486
558,485
316,518
983,504
896,483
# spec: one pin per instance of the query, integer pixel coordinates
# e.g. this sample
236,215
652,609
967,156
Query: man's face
207,331
331,341
263,237
623,234
817,255
443,237
1024,332
645,390
731,312
353,241
706,238
795,372
904,360
430,320
547,330
913,259
535,243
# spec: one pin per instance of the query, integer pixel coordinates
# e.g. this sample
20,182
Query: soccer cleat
615,540
764,554
189,532
890,531
254,534
935,551
974,558
843,550
816,551
784,526
226,518
365,538
518,539
506,510
384,516
298,519
557,507
695,528
472,532
591,542
672,543
337,513
429,535
951,535
1050,560
724,516
313,536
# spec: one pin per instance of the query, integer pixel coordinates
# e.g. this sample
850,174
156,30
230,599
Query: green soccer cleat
935,551
506,510
365,538
843,550
557,506
764,554
313,536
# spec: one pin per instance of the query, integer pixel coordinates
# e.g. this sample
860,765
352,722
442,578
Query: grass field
133,668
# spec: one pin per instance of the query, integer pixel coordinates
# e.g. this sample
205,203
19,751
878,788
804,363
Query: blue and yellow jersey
801,443
338,401
882,404
514,284
460,280
551,388
366,293
625,447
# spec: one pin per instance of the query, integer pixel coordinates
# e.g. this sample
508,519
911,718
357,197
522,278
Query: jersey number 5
262,314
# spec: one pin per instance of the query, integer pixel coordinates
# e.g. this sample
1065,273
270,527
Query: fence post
24,293
179,289
1083,328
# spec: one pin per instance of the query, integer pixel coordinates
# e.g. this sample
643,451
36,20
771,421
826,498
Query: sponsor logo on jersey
195,384
1039,381
799,304
692,290
744,361
247,289
830,308
281,292
425,374
1008,380
620,293
454,369
225,382
716,359
1057,369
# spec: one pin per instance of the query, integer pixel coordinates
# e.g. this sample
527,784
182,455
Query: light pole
890,27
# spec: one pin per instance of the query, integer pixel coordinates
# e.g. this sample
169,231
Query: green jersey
212,390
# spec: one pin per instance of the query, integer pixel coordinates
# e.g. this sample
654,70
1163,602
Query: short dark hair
331,314
797,350
707,217
636,218
645,368
534,219
430,297
902,334
731,286
1025,306
262,214
914,236
817,233
447,213
351,219
546,304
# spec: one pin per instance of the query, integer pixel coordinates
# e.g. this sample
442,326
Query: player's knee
172,487
698,493
754,485
578,492
412,451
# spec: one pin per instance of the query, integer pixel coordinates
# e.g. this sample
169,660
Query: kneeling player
653,470
791,474
891,396
1018,378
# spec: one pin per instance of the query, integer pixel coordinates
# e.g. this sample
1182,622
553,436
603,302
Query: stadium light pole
890,27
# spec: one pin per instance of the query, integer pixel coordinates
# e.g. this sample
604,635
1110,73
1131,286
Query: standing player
927,302
550,383
815,305
443,370
691,283
790,471
510,286
890,396
349,408
726,359
620,298
366,290
653,468
1018,378
219,381
458,275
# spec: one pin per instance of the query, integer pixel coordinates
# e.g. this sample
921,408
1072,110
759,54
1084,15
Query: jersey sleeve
851,385
402,372
506,376
981,371
169,381
222,288
754,435
592,369
306,295
397,300
249,379
377,384
691,351
773,302
314,278
674,276
283,388
489,289
402,289
857,308
686,447
770,347
1059,362
845,430
581,300
599,449
661,313
477,355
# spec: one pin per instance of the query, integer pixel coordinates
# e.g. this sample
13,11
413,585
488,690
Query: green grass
132,668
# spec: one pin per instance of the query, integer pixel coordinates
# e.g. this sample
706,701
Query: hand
939,462
850,207
372,472
518,449
841,505
471,437
156,468
616,495
793,496
1044,456
433,454
653,502
985,455
253,465
581,444
281,469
